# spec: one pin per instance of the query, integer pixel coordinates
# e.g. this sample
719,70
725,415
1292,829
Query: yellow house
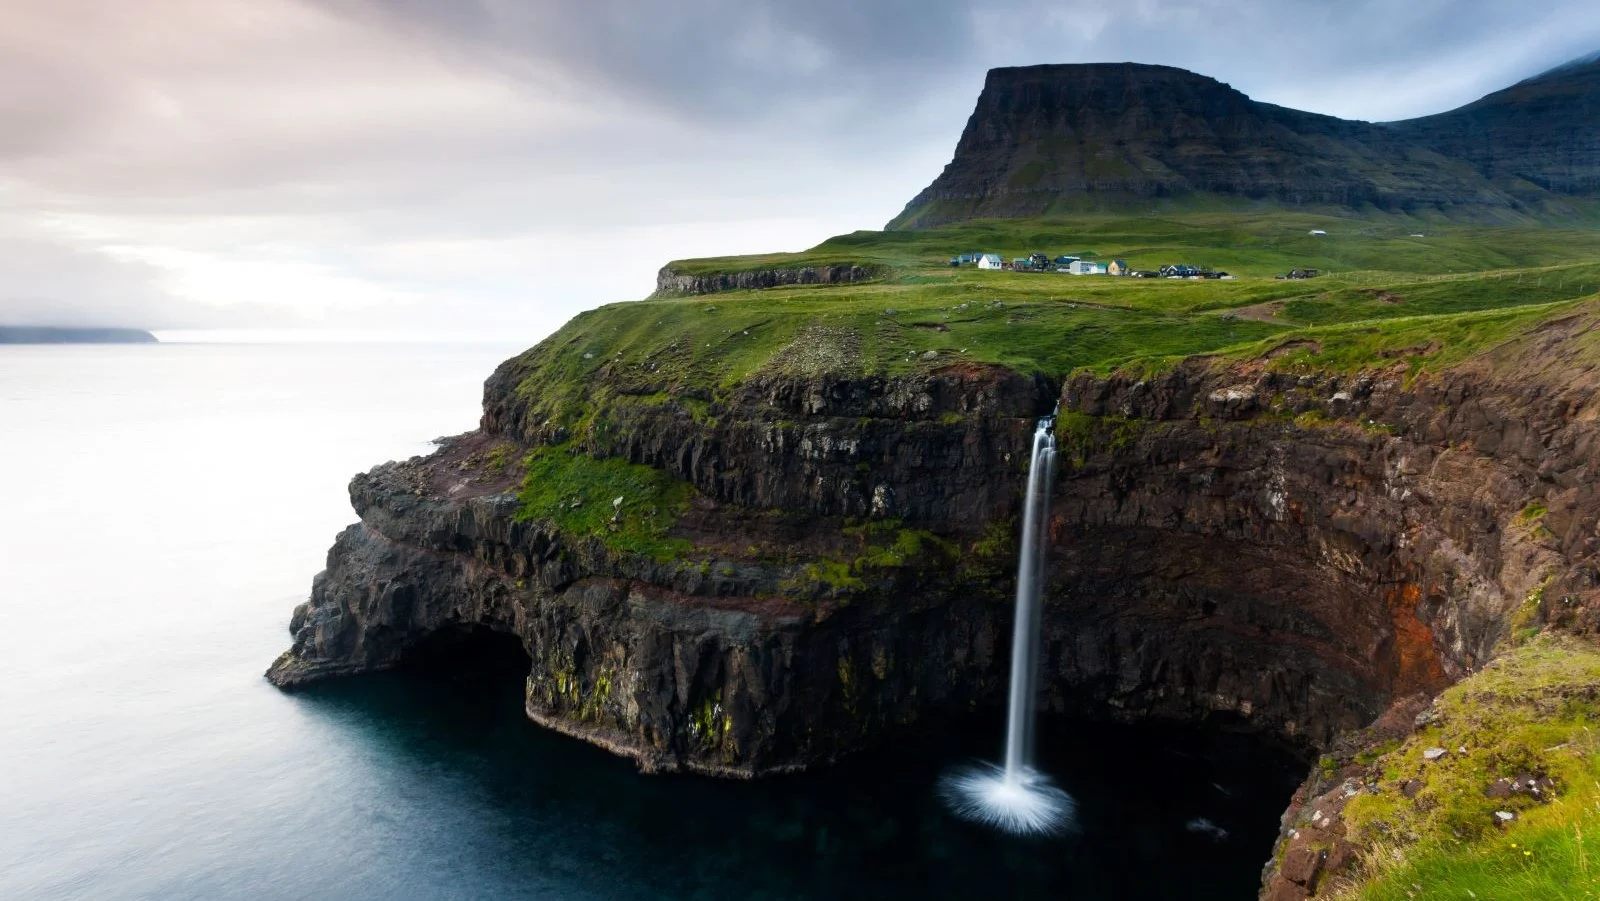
1117,267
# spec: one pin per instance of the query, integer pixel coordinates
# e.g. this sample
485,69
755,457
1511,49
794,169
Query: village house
1087,267
1117,267
991,261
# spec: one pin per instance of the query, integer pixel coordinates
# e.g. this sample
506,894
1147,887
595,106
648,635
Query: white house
1086,267
1318,231
991,261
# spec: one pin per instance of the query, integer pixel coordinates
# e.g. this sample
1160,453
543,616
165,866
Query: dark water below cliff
166,506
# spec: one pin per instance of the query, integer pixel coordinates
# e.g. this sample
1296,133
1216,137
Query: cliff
1293,550
670,282
1057,139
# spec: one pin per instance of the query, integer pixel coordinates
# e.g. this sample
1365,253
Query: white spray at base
1016,797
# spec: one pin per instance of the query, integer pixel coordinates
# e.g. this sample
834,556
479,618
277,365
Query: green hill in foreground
1386,296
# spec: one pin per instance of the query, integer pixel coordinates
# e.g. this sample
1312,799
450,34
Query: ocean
166,506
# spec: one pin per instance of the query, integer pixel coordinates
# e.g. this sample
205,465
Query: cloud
48,281
725,60
425,163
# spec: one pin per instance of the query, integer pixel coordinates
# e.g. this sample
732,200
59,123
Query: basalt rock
671,283
941,448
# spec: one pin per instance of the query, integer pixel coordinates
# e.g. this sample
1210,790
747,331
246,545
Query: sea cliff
1293,550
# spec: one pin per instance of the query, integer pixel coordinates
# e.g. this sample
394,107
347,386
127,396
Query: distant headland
29,334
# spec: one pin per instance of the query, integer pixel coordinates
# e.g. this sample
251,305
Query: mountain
1541,133
1057,139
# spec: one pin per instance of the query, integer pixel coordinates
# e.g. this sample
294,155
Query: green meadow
1385,296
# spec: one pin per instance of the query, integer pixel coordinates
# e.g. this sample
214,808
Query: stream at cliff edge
164,509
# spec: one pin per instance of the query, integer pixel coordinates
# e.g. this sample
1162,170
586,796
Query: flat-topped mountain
1059,139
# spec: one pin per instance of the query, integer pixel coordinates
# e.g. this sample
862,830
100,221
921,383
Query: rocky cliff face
672,283
1065,138
942,448
738,659
1293,552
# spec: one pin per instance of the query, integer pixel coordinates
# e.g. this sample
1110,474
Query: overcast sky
493,166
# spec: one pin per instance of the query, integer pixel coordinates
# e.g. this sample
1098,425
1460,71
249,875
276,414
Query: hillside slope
1542,134
1059,139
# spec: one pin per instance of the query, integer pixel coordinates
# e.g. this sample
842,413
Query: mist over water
165,507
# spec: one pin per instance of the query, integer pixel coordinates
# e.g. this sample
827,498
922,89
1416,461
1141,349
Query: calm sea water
163,510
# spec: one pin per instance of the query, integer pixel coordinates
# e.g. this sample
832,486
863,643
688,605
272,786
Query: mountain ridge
1072,138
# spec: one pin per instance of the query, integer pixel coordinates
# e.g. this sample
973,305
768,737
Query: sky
491,167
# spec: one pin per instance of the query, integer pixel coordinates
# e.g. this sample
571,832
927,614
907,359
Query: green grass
703,347
1429,302
1419,342
1261,243
575,492
1534,710
883,546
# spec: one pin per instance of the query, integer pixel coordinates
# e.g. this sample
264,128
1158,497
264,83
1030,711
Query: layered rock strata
1289,552
672,283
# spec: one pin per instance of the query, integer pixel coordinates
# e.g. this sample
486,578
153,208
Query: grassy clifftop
1499,796
1258,243
1387,296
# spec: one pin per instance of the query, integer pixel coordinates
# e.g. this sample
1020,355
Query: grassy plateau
1385,295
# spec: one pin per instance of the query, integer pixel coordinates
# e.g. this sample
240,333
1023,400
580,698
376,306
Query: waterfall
1014,796
1030,585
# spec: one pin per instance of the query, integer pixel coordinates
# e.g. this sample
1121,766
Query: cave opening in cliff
470,653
